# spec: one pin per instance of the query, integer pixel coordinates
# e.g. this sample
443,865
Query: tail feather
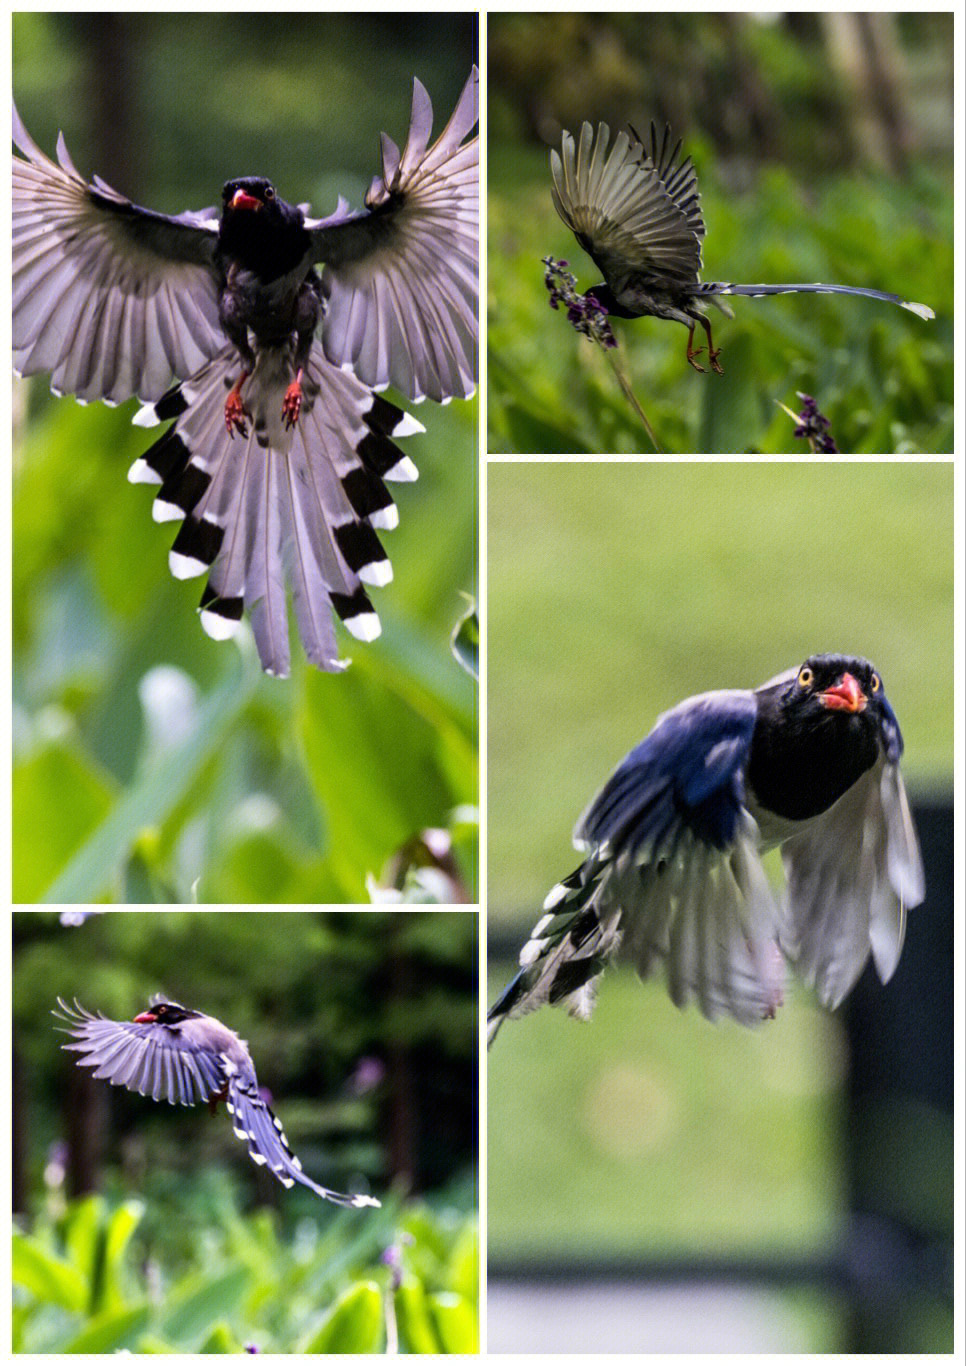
279,505
756,291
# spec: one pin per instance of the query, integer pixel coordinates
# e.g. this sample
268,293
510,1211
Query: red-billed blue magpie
672,872
179,1055
637,214
277,461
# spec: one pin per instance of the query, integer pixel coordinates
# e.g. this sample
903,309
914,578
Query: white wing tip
921,310
166,512
145,417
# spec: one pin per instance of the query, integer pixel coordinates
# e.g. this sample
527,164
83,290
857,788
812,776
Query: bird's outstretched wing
634,213
402,276
673,871
852,874
110,298
146,1058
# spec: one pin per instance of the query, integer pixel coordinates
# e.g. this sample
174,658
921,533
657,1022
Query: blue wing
672,871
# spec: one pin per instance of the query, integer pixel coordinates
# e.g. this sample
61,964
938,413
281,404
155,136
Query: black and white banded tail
279,506
756,291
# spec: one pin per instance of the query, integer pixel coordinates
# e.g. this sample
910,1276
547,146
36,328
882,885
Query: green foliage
881,375
344,1283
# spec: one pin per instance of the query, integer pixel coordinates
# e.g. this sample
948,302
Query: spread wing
402,276
111,299
853,873
633,213
673,871
147,1058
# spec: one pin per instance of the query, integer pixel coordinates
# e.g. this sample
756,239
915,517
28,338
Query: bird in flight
281,447
171,1053
673,842
637,214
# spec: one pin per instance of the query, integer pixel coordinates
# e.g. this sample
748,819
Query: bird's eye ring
269,192
876,683
805,677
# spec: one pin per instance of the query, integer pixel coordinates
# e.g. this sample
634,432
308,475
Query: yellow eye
876,683
269,192
805,677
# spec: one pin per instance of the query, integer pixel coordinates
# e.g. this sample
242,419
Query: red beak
845,696
145,1017
242,200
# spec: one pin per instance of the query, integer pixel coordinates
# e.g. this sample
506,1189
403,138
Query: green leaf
149,799
220,1339
59,799
196,1302
121,1226
456,1322
46,1276
353,1324
110,1332
465,643
417,1332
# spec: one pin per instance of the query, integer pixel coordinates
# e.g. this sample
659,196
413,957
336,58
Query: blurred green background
823,145
208,781
615,590
147,1227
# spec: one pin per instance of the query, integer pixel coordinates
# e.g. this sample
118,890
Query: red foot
713,358
292,405
236,414
692,362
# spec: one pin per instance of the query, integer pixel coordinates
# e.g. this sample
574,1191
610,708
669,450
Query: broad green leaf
353,1324
46,1276
220,1339
110,1332
466,641
151,797
60,797
417,1331
196,1302
456,1322
121,1226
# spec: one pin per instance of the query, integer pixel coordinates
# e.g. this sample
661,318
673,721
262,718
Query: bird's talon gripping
292,405
236,414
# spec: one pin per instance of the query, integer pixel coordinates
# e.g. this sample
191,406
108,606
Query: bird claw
236,414
292,405
713,358
694,364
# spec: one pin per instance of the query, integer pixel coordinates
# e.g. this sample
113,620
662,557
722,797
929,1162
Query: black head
249,194
166,1013
259,230
837,687
817,732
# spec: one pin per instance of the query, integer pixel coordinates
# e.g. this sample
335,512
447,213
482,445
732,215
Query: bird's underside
637,214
